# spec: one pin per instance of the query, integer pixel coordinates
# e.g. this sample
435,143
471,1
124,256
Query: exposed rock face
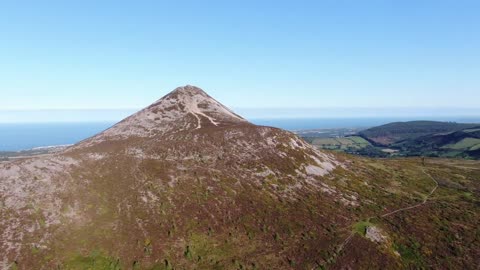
375,234
142,189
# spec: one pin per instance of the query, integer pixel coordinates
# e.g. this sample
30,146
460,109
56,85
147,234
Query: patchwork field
345,143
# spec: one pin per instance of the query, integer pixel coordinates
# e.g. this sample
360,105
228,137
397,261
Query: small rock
375,234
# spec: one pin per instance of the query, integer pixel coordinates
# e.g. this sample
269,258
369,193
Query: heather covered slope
183,166
205,189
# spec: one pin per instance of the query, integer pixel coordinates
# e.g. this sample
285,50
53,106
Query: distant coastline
29,136
24,136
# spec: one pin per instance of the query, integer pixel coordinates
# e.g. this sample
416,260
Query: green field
467,143
476,147
345,143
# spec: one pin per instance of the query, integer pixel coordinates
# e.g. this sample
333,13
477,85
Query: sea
24,136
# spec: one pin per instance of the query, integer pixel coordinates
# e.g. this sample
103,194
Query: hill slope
188,184
462,143
399,131
427,138
172,171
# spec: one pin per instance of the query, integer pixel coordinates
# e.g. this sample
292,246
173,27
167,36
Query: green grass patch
464,144
345,143
410,254
95,261
361,227
358,140
475,147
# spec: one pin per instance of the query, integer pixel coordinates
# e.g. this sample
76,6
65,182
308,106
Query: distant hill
463,143
391,133
429,138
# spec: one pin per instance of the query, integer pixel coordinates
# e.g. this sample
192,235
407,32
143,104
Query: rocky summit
185,108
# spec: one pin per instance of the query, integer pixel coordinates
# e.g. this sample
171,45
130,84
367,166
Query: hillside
463,143
427,138
399,131
188,184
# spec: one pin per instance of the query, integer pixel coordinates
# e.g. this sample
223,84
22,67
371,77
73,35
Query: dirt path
350,236
416,205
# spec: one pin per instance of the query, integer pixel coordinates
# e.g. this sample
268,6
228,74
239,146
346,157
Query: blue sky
250,55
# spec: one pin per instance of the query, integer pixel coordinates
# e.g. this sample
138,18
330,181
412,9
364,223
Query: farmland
346,143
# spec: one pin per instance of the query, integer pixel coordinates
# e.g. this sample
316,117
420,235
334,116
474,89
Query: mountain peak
188,90
185,108
188,101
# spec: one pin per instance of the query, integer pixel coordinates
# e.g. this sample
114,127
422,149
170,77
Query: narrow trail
416,205
350,236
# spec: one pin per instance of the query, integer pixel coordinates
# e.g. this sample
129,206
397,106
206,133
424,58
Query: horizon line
249,108
401,118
